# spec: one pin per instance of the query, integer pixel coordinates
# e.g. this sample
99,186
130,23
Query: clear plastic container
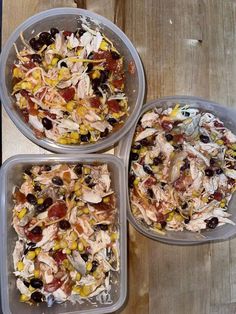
10,175
228,116
69,19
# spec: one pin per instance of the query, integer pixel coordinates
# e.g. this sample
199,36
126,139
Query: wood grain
188,47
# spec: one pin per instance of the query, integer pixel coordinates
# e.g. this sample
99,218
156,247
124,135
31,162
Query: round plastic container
69,19
228,116
10,176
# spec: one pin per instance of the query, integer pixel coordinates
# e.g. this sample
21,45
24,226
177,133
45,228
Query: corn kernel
136,181
155,169
78,193
70,106
23,102
78,277
157,226
170,216
87,170
37,250
223,203
40,200
81,111
73,245
67,251
17,73
233,146
178,217
106,199
26,85
220,142
31,289
76,289
231,152
36,74
114,236
36,273
24,298
62,141
104,45
20,266
73,236
54,61
22,213
86,210
85,291
52,46
116,115
96,74
80,247
74,135
30,255
63,244
195,194
143,150
89,266
66,263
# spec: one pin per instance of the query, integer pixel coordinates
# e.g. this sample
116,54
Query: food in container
182,172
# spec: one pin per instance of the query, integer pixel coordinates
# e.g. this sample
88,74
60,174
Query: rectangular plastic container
11,175
228,116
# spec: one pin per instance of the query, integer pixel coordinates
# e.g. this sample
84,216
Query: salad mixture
69,86
182,170
66,220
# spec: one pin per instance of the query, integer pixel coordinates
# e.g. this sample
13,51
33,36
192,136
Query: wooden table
188,47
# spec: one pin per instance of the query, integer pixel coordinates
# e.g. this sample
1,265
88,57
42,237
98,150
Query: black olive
28,171
94,266
26,283
47,202
186,220
186,113
54,31
134,156
137,146
40,208
31,199
169,137
64,224
102,227
163,184
163,224
88,179
98,93
209,172
115,55
144,142
78,169
57,180
90,56
47,123
85,137
219,171
212,223
105,133
150,193
212,161
91,185
131,180
36,283
37,230
37,187
184,206
36,58
81,32
186,165
178,146
84,257
35,44
107,274
37,297
147,169
204,138
46,38
89,67
103,76
63,64
96,83
47,168
112,121
157,160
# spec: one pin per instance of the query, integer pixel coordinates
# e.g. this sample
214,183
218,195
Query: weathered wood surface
188,47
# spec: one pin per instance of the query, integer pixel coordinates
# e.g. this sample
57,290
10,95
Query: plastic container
10,175
228,116
70,19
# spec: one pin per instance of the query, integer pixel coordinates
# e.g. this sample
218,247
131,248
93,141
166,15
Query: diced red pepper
113,105
68,93
57,210
53,286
